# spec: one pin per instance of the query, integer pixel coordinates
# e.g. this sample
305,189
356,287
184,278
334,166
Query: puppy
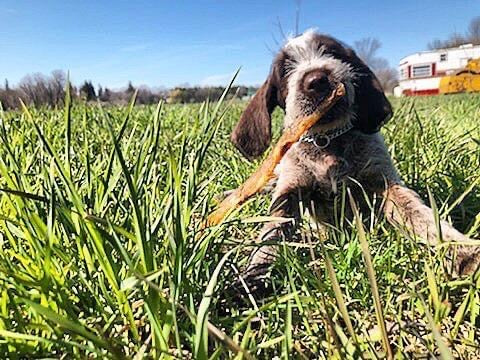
346,148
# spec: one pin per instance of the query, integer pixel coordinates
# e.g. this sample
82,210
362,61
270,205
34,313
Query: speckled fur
352,159
357,159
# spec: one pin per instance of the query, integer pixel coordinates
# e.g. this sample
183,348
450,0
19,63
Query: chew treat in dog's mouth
265,172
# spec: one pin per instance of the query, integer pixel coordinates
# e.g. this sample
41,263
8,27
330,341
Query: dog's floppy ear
373,108
253,133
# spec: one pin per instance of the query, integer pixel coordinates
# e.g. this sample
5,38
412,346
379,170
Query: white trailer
420,73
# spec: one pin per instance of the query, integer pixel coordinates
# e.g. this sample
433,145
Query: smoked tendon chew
265,172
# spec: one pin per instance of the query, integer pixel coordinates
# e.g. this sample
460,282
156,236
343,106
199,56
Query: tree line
49,90
36,89
455,39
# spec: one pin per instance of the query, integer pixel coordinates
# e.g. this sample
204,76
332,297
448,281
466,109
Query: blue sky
200,42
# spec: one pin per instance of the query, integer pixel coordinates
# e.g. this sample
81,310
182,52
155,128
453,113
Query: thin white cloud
217,79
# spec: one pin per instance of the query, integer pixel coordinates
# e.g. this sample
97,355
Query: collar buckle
321,141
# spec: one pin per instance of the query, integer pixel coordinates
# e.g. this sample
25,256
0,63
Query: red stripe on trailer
409,92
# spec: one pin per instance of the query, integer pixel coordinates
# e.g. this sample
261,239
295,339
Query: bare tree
38,89
8,97
388,77
28,87
58,84
472,36
436,44
473,32
456,39
367,50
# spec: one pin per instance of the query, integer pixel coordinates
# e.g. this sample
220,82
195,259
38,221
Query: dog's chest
305,167
328,169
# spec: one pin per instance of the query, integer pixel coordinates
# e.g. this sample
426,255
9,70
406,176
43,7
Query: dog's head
302,75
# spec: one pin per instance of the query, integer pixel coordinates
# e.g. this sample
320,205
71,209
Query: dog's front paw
248,287
467,260
256,281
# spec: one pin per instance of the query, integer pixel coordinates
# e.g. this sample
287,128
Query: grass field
101,254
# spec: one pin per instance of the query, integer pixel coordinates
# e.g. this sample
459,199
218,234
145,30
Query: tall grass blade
371,275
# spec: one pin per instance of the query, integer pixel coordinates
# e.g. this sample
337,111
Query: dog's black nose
316,83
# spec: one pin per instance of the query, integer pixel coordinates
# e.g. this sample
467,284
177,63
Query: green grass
101,253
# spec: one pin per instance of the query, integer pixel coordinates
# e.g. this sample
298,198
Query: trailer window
422,71
443,57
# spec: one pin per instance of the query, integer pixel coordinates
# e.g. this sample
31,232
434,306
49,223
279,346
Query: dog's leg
403,207
286,206
291,181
